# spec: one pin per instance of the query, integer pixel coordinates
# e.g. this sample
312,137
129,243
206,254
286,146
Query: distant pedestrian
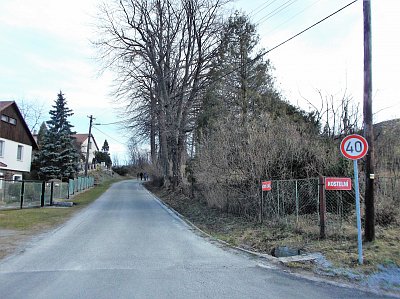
141,176
145,176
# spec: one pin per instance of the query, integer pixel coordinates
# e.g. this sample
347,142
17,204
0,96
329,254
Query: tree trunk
153,150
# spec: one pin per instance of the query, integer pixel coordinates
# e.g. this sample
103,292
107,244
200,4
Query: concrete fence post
51,193
22,194
43,193
322,208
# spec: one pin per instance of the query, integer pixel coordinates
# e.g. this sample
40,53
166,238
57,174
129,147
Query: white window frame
2,146
20,152
17,177
12,121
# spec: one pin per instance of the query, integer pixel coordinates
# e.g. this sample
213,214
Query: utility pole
88,145
368,127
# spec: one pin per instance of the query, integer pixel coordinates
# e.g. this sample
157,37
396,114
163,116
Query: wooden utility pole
88,145
368,127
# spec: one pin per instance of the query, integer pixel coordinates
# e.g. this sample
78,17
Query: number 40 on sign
354,147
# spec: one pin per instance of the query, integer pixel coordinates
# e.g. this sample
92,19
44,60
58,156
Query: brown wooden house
16,142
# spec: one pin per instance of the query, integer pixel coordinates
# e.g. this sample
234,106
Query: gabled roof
6,104
80,138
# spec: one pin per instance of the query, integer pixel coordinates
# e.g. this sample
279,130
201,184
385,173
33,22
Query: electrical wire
276,11
94,127
287,40
260,8
301,32
113,123
292,17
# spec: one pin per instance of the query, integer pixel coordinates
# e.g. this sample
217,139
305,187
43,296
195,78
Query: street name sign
337,184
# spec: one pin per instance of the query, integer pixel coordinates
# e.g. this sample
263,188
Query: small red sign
266,186
337,184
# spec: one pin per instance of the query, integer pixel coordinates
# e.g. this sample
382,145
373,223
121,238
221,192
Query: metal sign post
265,186
355,147
359,237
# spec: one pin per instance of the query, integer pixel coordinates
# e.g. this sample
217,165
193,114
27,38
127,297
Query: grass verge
38,218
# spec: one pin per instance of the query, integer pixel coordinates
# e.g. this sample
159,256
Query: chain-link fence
293,203
297,204
25,194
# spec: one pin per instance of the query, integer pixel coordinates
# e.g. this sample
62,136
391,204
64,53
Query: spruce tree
58,157
41,134
105,147
103,155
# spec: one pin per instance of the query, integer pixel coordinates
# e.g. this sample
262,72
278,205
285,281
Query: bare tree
32,112
338,117
162,51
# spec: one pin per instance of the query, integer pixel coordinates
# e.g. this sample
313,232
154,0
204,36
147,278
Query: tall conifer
58,156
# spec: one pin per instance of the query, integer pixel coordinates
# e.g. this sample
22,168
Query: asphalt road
127,245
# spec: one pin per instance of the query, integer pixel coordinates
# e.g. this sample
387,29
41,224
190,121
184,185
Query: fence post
43,192
297,203
322,207
277,188
51,193
261,203
22,193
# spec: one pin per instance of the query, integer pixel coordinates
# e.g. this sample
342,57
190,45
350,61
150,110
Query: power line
94,127
276,11
113,123
289,39
301,32
292,17
261,7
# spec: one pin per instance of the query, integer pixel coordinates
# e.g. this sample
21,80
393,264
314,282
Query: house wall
10,156
91,150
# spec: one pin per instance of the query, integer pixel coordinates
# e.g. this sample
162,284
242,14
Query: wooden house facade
16,142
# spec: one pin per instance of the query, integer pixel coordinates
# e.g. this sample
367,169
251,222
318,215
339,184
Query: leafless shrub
232,159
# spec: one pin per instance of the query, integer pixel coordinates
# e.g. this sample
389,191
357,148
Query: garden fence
25,194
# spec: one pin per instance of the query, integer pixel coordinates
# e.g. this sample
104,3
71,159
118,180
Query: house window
2,148
20,152
12,121
8,119
17,177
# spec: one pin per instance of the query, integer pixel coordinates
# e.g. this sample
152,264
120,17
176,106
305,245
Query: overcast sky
45,48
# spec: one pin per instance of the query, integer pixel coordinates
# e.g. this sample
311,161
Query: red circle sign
354,147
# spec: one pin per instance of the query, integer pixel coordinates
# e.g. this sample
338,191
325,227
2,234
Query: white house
16,142
82,143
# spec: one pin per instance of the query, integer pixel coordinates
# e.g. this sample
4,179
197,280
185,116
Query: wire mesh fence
25,194
292,202
297,204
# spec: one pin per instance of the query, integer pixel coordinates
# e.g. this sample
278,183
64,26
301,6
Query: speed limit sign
354,147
